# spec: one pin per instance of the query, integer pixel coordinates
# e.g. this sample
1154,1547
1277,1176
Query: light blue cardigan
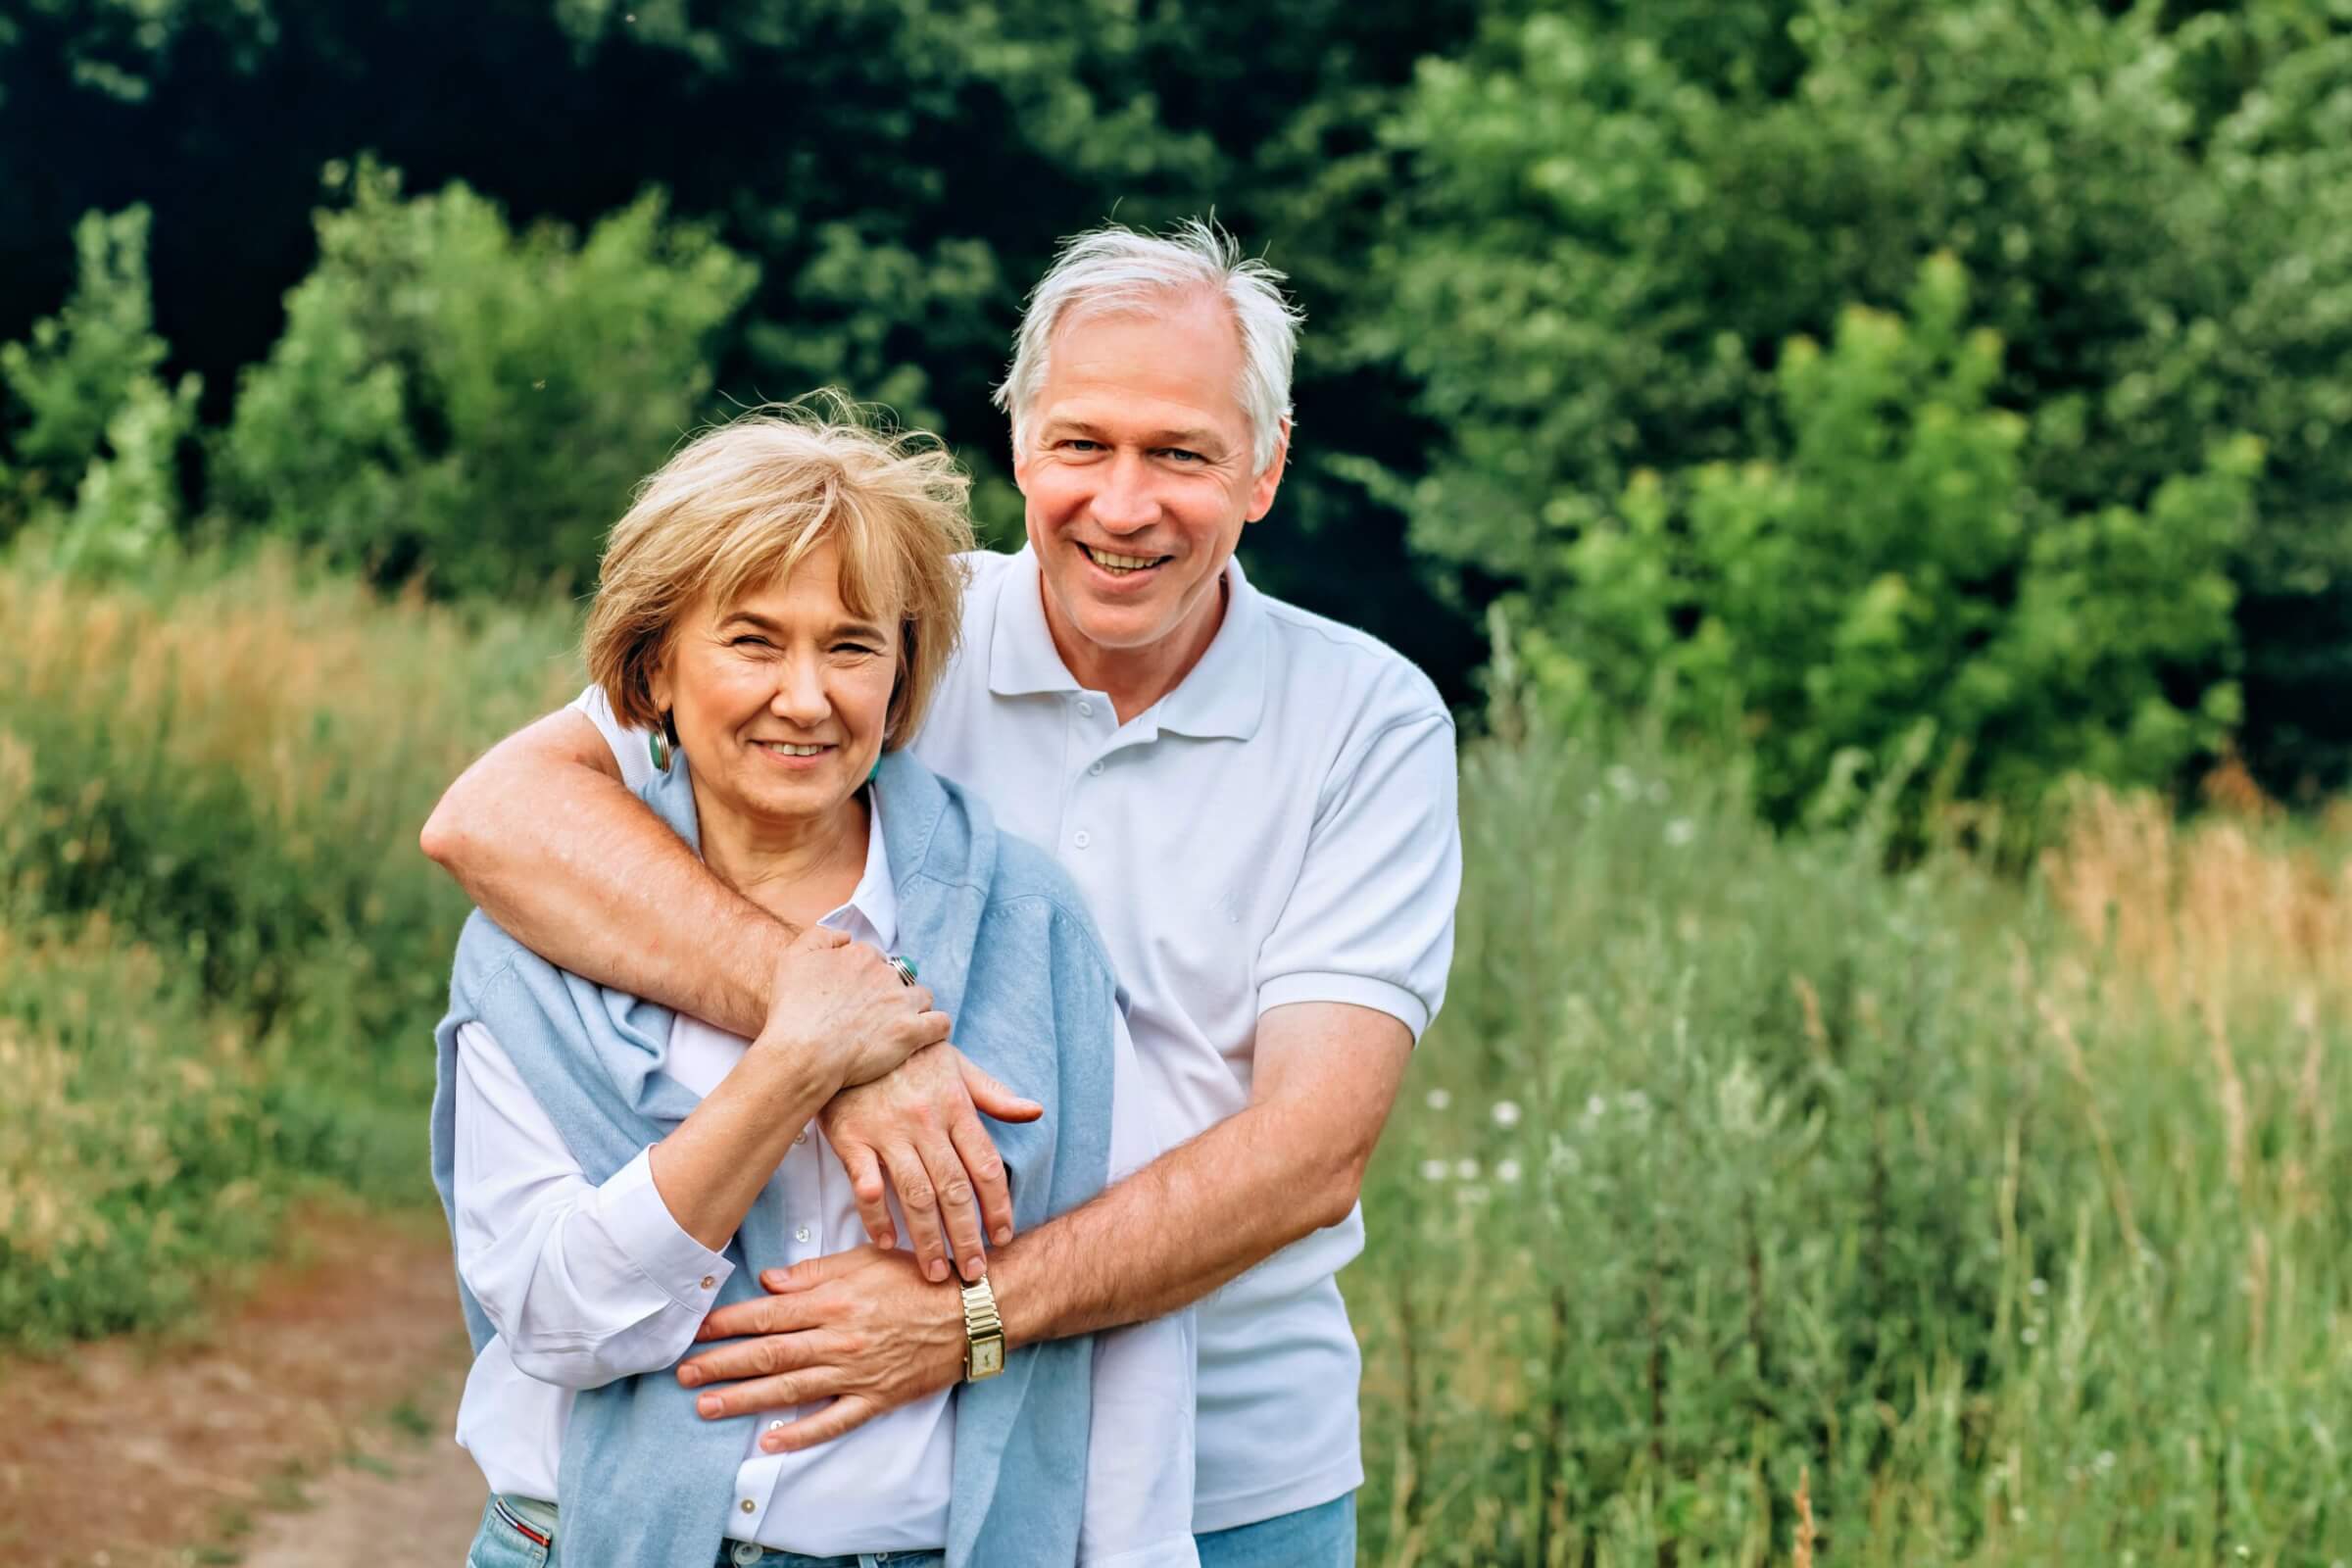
1003,942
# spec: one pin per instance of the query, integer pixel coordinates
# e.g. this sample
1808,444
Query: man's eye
1075,445
1181,455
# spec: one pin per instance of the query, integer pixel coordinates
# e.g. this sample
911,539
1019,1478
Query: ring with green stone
905,967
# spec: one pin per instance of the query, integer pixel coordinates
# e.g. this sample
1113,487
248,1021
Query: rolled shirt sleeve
584,1283
1370,921
1139,1464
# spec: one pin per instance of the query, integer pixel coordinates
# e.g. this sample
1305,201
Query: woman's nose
799,692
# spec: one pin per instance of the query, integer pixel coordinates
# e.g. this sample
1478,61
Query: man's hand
862,1328
921,1125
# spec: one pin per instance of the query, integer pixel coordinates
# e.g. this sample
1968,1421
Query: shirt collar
1223,695
875,899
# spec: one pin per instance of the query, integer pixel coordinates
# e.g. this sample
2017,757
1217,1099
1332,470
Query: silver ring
905,967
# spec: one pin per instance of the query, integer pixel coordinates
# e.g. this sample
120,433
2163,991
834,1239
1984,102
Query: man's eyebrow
1189,436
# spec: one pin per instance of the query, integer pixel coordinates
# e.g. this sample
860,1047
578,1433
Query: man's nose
1126,501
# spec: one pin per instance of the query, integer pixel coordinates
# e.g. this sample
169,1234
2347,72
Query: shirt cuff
1177,1551
1361,991
641,1225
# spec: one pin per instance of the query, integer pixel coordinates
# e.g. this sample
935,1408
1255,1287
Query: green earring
875,772
659,749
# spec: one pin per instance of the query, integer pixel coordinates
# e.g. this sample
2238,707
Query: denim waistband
545,1516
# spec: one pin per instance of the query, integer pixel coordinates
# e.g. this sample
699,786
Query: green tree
94,434
455,398
1900,566
1605,238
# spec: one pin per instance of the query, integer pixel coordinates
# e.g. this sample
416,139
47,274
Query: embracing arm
541,833
864,1329
1287,1164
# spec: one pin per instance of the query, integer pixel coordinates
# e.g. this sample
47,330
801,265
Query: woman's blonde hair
743,504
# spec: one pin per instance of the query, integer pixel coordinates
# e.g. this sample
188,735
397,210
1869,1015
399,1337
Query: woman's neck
798,869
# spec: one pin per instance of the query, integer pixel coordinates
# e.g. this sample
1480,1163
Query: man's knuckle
957,1192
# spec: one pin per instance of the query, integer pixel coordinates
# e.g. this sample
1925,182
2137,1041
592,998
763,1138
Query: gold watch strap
982,1333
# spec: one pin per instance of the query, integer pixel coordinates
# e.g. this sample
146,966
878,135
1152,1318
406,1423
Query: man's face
1139,474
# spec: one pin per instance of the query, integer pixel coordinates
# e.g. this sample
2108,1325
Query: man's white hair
1115,270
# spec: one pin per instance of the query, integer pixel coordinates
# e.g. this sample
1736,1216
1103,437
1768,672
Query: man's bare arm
544,836
863,1329
1285,1165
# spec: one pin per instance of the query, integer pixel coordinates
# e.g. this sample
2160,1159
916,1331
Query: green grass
2008,1210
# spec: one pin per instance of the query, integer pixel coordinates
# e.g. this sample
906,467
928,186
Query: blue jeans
521,1532
1321,1537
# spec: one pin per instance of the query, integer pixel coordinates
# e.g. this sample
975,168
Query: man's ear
1269,479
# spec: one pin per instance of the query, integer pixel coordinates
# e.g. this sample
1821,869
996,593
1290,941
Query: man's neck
1134,679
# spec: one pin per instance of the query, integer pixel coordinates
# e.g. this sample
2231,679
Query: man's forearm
1193,1219
563,857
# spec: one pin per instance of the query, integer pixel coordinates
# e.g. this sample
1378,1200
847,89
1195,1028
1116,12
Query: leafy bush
1898,567
1599,248
452,398
95,434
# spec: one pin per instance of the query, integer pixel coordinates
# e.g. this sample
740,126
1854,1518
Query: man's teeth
1104,558
782,749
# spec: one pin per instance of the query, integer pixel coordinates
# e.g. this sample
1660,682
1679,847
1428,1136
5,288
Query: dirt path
308,1427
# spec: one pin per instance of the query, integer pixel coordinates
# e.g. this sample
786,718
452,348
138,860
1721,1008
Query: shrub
96,435
1900,568
454,399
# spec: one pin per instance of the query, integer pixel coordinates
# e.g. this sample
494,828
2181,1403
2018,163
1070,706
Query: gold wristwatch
982,1333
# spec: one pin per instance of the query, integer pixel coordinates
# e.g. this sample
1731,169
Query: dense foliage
1543,249
2007,1217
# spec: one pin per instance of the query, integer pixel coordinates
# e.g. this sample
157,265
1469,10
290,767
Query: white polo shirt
1279,828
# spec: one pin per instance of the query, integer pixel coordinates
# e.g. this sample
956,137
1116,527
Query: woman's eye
747,641
855,648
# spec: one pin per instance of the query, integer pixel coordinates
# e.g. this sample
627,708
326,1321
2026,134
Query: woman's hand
921,1125
840,1003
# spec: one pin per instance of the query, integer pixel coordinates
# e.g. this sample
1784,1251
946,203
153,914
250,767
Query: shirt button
801,1235
710,1280
799,1137
1086,710
1083,838
1097,768
747,1506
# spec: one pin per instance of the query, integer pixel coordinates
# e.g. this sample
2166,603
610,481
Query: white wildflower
1507,1114
1438,1100
1681,831
1466,1169
1433,1170
1506,1171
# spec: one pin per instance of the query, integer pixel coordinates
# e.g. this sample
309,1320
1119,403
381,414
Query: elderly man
1259,804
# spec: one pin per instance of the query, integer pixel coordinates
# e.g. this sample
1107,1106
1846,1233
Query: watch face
988,1359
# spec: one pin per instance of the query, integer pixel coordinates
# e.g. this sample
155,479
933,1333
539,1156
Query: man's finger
992,1097
821,935
867,1186
920,1206
959,1205
768,1393
931,1028
765,1356
810,1272
780,1313
850,1411
985,1168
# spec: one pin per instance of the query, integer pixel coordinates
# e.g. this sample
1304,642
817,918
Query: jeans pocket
507,1539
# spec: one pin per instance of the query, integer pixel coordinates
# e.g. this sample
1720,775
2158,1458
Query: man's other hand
919,1127
862,1329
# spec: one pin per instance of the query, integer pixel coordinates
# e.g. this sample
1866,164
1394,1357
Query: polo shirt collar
1224,695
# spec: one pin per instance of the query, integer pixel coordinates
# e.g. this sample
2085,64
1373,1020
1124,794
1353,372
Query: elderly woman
776,608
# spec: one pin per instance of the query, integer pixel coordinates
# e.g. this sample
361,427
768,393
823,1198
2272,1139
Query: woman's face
779,699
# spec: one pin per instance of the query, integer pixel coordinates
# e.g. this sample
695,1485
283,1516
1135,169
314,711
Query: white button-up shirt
1279,828
587,1283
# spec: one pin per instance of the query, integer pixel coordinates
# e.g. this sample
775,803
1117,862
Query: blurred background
1872,475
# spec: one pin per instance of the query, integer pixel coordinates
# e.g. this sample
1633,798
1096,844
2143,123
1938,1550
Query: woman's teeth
783,750
1110,563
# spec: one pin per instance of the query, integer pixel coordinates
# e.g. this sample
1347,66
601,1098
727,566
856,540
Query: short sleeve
1370,921
631,748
